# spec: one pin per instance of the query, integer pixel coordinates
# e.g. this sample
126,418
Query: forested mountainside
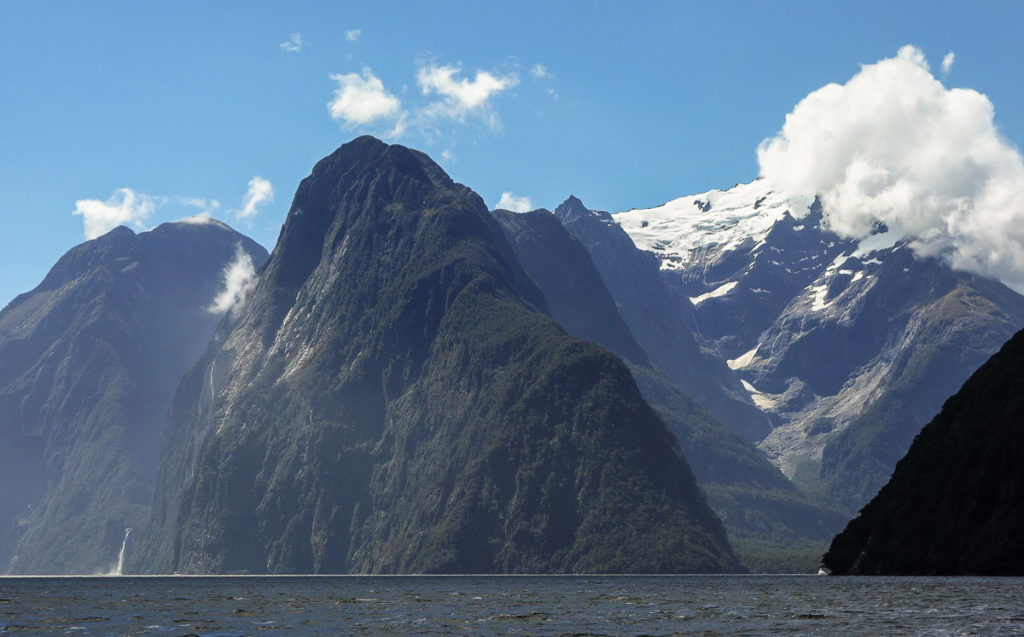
392,399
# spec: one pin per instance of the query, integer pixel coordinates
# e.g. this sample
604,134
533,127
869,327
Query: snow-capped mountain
849,347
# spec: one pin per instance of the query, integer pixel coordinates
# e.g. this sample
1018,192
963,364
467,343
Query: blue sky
185,104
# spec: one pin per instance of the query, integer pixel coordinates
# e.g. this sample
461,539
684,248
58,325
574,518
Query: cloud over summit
894,145
124,207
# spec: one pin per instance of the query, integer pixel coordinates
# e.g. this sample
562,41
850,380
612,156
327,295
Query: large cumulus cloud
894,145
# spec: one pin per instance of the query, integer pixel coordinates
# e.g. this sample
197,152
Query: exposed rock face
764,514
953,505
849,347
390,399
89,361
661,319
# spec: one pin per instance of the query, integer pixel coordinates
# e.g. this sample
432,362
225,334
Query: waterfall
120,556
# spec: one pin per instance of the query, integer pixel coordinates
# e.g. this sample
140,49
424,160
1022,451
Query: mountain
89,361
391,398
661,320
770,523
849,347
953,505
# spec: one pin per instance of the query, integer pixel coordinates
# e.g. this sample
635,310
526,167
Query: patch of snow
745,212
721,290
876,242
742,360
762,401
818,303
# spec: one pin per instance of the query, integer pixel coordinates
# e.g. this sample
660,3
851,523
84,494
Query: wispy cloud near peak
123,207
514,203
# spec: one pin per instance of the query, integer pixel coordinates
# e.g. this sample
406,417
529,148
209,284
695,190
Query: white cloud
362,99
239,279
540,72
447,155
260,193
514,203
463,96
947,62
894,145
353,34
201,219
293,44
124,207
199,202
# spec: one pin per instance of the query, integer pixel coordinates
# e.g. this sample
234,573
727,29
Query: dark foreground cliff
390,399
953,505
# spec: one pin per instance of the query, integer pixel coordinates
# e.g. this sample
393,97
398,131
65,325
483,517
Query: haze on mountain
391,398
89,360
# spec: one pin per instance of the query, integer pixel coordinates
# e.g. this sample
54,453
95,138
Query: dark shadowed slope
953,505
388,401
88,363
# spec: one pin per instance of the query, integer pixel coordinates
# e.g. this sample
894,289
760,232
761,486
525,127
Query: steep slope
770,523
89,361
849,347
953,504
388,401
661,320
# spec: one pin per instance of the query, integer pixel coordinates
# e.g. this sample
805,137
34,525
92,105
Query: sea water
512,605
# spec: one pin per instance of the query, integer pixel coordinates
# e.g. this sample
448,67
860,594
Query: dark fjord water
727,605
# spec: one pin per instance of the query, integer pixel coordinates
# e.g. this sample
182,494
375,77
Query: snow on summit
722,219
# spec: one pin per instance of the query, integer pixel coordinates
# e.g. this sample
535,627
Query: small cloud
447,155
205,205
947,62
514,203
239,279
260,193
362,99
353,34
540,72
201,219
124,207
462,96
293,44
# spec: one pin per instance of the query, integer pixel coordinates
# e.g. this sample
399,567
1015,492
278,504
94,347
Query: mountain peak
367,154
573,208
